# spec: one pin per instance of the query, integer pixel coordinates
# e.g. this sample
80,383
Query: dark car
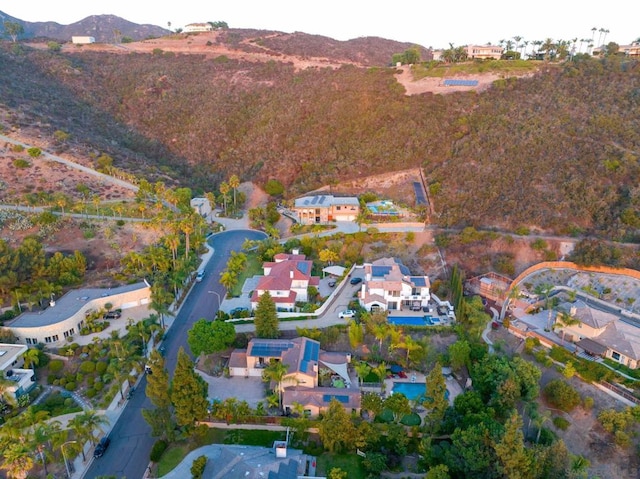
114,314
238,312
355,280
101,447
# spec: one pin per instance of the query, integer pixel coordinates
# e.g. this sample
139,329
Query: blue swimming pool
413,391
411,320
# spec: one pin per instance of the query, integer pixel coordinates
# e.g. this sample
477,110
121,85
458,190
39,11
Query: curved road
131,441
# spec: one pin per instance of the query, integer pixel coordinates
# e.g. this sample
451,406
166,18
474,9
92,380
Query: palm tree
381,371
31,358
564,320
234,182
85,425
224,191
362,370
18,460
275,372
545,289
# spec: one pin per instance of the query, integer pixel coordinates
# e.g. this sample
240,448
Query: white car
349,313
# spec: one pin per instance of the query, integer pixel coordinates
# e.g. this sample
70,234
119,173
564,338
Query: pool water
413,391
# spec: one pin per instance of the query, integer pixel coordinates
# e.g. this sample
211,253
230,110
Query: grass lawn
171,458
470,68
253,267
350,463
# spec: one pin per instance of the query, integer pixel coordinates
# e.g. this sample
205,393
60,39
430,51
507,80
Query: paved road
131,441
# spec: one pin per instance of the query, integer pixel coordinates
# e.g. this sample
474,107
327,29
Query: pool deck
418,378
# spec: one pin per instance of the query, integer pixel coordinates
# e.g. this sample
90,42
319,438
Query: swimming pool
413,391
411,320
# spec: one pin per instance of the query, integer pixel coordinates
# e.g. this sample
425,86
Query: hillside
101,27
556,151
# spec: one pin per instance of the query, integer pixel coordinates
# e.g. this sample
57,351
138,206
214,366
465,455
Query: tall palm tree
234,182
275,372
362,370
18,460
224,191
564,320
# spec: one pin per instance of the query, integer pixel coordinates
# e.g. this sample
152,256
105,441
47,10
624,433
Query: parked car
348,313
113,314
355,280
238,311
200,275
332,283
101,447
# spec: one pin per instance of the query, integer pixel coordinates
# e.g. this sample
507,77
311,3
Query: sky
428,23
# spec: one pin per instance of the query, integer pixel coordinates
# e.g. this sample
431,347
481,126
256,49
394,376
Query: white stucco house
388,285
11,369
67,315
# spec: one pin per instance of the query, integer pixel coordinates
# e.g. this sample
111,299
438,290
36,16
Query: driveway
251,390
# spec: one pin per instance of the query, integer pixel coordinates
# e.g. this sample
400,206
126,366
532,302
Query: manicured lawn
350,463
171,458
253,437
253,267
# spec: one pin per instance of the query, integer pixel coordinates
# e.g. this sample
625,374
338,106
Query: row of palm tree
35,437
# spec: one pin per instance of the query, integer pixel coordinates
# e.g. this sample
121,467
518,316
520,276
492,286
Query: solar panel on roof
311,353
329,397
314,200
418,281
380,270
270,349
303,268
322,198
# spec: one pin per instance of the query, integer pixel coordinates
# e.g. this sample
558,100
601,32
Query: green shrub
87,367
101,367
197,468
561,395
70,386
91,392
34,152
56,365
17,148
51,378
21,163
561,423
157,450
98,386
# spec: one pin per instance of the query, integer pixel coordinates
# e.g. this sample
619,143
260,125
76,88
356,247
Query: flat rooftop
9,353
68,305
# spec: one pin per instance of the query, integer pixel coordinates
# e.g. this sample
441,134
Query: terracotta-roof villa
287,280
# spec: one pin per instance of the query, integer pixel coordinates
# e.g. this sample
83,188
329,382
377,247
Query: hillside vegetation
556,151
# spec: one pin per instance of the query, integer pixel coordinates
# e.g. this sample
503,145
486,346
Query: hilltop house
305,361
484,52
321,209
11,360
287,280
603,334
197,27
81,40
67,316
388,285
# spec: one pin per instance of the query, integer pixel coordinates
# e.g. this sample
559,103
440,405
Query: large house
602,334
287,280
321,209
11,362
305,361
388,285
67,316
202,206
197,27
484,52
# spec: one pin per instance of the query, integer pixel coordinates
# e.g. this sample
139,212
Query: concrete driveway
251,390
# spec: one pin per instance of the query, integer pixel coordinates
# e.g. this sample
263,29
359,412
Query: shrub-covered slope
558,150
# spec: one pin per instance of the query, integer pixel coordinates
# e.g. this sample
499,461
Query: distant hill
101,27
